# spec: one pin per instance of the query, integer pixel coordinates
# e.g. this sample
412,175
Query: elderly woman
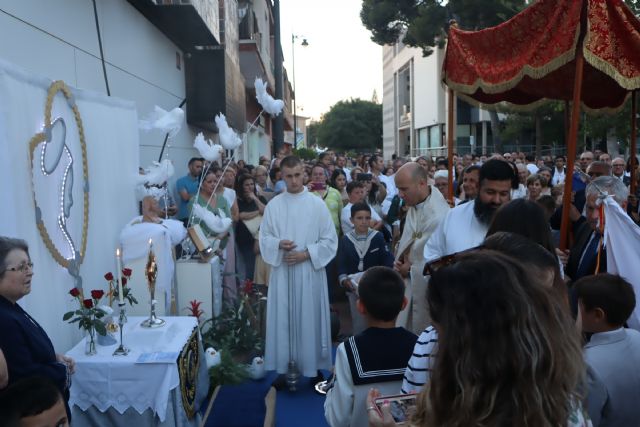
27,349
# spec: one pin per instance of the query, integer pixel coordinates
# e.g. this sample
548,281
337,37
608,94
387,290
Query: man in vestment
427,208
298,239
466,225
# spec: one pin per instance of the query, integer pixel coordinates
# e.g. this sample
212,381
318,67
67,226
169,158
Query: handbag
253,225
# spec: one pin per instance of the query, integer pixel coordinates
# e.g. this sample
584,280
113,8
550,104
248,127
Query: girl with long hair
509,353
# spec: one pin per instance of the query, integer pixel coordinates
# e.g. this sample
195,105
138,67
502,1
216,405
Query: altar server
298,239
465,226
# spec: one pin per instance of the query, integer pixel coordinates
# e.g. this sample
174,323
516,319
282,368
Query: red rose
97,294
87,303
124,281
127,272
74,292
108,277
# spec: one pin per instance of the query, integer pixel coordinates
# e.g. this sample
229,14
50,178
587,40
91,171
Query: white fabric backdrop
111,134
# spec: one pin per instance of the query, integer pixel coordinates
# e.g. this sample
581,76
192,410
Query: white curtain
111,133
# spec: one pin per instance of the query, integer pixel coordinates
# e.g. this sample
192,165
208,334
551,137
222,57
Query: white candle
119,266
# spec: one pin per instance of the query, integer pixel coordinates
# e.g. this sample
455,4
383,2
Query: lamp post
293,66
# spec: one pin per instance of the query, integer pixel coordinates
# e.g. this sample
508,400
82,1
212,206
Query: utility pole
278,123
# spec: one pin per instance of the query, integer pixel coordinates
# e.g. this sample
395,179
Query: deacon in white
427,208
298,239
466,225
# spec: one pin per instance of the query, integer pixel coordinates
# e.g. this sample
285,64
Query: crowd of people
466,301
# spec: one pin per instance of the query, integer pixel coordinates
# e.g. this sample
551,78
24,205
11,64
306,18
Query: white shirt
390,184
460,230
558,177
533,169
345,218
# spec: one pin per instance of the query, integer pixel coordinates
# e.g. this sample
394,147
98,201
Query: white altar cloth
105,381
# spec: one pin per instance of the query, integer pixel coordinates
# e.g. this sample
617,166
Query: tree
354,124
425,23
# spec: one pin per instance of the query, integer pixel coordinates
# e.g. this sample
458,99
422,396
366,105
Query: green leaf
67,315
100,328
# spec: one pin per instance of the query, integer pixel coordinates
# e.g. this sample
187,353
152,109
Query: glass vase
90,343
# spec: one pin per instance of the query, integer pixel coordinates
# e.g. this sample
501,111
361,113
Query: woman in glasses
508,351
27,348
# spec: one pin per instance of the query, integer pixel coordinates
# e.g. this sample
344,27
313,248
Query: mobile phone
402,408
364,177
318,186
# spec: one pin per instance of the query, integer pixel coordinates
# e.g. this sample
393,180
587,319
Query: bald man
427,207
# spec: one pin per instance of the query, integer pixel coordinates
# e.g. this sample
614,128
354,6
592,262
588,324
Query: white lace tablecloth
105,381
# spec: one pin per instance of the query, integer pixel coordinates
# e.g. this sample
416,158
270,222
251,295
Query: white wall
428,92
58,39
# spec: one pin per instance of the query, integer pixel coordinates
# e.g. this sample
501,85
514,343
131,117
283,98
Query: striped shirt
418,370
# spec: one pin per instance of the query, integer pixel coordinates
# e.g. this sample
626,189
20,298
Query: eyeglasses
435,265
23,268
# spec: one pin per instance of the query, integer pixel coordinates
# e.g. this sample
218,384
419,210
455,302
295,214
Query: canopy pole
632,145
566,121
571,148
450,139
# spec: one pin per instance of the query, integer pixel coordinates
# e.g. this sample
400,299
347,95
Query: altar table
109,390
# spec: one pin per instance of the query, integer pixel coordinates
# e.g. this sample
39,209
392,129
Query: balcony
254,62
187,23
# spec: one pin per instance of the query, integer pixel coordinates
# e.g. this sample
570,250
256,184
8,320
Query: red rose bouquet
113,287
88,315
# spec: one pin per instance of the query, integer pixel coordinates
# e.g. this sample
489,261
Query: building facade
169,53
415,107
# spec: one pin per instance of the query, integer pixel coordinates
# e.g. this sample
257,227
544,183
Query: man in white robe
466,225
427,208
298,239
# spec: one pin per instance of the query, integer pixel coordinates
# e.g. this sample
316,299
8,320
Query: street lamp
293,66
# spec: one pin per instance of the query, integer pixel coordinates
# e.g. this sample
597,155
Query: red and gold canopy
531,57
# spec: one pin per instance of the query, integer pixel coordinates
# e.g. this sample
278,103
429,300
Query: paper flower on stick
217,224
270,105
228,137
210,152
157,173
166,121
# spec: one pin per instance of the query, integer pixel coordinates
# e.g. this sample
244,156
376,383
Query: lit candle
119,266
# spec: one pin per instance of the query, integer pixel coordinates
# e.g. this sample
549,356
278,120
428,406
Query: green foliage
312,134
353,124
424,24
305,153
228,371
233,329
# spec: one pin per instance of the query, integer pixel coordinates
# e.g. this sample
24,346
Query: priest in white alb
427,208
298,239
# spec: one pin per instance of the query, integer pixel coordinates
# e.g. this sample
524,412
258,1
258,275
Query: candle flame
118,252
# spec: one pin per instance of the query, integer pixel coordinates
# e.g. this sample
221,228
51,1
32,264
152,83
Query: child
375,358
359,250
606,301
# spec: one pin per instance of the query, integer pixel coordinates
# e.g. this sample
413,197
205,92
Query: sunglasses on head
447,260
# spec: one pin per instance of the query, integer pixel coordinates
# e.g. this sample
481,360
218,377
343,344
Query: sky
341,61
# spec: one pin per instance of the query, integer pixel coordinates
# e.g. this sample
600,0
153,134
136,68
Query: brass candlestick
151,272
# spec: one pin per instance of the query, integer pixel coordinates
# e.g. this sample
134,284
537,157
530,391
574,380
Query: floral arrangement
113,287
237,333
88,315
194,309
